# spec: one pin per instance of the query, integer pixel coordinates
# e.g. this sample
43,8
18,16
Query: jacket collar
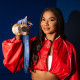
57,42
56,39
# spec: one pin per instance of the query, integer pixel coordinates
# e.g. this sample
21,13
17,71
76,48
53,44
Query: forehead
48,14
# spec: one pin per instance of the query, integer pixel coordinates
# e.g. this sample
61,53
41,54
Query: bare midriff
43,75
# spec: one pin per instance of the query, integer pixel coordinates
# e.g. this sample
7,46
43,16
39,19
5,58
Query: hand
24,26
28,22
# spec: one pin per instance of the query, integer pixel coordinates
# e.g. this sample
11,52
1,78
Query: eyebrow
51,17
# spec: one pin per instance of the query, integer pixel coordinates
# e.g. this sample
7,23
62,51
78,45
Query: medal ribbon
26,48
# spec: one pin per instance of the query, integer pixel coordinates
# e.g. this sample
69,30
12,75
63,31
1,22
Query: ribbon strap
26,48
26,52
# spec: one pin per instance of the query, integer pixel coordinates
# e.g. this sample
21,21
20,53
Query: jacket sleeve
74,73
12,52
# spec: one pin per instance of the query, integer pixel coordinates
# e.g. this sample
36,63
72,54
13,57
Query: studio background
13,10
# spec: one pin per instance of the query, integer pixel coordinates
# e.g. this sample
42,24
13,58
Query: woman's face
49,22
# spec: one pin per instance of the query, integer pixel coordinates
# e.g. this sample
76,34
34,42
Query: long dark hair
37,44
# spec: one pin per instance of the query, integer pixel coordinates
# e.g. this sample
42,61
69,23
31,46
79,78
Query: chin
46,33
49,33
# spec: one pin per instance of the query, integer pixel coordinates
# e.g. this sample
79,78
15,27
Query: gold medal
20,29
15,29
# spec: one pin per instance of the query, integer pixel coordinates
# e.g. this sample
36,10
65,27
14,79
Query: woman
51,56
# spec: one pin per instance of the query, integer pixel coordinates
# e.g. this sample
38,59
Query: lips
46,29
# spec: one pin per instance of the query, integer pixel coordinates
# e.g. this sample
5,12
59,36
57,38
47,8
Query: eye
51,19
42,19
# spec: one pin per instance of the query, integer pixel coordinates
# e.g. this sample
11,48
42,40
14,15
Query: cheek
41,24
54,25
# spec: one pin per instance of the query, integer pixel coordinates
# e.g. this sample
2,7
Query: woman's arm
74,74
12,51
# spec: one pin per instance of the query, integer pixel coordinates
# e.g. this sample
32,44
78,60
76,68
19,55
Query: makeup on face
48,22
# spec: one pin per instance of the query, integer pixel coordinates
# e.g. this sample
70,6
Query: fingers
29,23
24,21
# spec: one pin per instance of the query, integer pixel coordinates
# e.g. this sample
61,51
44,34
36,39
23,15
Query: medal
22,29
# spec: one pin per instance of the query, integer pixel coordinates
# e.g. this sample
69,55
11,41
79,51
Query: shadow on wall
72,31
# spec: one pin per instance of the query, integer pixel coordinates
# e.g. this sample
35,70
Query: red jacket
64,63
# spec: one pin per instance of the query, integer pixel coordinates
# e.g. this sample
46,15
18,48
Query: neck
51,37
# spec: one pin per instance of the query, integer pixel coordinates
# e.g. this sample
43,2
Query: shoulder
70,46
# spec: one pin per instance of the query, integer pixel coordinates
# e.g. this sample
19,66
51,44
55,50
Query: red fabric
64,63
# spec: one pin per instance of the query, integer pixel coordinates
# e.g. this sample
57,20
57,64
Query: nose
46,23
